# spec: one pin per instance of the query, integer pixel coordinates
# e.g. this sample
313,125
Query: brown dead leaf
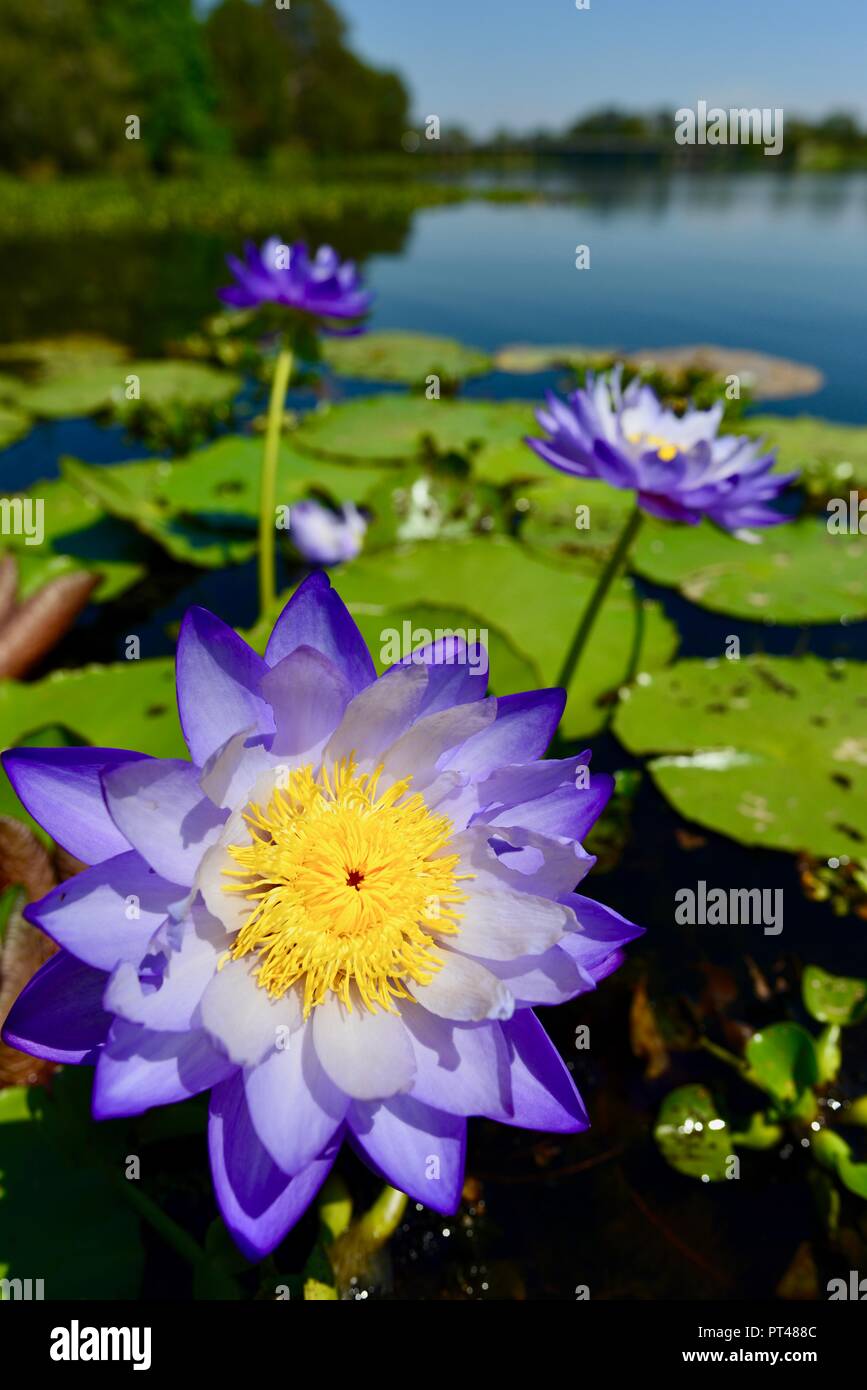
644,1033
37,625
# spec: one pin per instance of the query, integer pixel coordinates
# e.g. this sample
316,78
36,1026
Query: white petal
502,925
367,1055
243,1017
464,991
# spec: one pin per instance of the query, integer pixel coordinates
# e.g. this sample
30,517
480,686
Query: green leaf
508,589
13,424
61,1217
397,429
759,1134
412,504
410,358
103,388
130,704
575,517
832,1151
782,1061
836,999
45,358
204,509
796,573
767,750
831,458
692,1135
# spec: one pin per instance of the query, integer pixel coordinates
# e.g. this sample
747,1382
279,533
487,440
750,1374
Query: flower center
664,448
348,886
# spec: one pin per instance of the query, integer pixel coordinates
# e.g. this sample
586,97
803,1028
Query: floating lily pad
78,535
395,355
835,999
39,359
770,751
537,603
415,503
13,424
204,509
796,573
692,1135
831,458
765,377
525,359
571,515
782,1061
129,704
104,388
396,429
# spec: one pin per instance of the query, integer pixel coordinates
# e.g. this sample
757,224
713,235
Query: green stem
383,1218
723,1055
606,579
268,488
173,1234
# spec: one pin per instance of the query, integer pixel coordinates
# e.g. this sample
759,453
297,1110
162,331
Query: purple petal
258,1202
543,1093
218,679
138,1068
59,1014
414,1147
158,805
91,917
601,931
524,726
294,1107
62,790
462,1068
317,617
308,695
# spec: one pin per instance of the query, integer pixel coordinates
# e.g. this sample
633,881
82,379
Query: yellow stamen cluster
348,885
664,448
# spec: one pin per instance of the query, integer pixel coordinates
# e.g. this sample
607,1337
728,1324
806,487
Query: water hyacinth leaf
105,388
130,704
203,509
798,573
535,602
726,731
397,429
400,356
692,1135
782,1061
56,1196
831,458
835,999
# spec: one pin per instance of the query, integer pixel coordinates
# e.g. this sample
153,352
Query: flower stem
597,598
268,488
383,1218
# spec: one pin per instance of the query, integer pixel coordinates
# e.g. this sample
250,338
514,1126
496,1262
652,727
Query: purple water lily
325,537
324,287
680,467
338,916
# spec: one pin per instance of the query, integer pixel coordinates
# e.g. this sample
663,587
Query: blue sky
524,63
528,63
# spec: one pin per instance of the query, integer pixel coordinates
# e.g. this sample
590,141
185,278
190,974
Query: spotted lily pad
796,573
835,999
537,603
410,358
129,704
692,1135
106,387
770,750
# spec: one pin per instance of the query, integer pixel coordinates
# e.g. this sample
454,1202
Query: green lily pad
397,429
13,424
525,359
130,704
537,603
573,516
769,750
103,388
78,535
413,503
204,509
395,355
831,458
58,1194
42,358
692,1135
836,999
782,1061
796,573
